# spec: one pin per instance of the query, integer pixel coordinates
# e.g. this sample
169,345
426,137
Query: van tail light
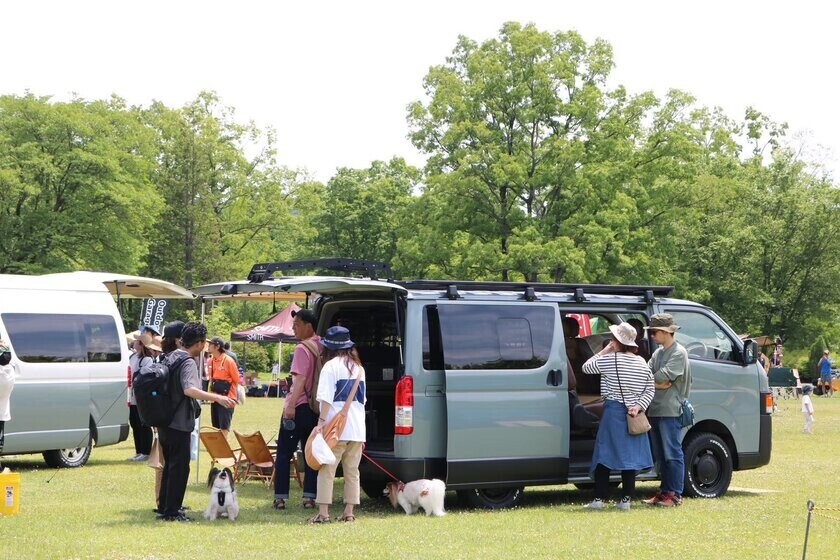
768,403
404,407
128,384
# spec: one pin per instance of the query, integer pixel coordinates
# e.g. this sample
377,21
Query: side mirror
750,352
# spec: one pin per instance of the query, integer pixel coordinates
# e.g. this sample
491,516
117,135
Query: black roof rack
579,290
262,271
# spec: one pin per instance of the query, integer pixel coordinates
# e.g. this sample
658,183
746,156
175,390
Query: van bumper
123,432
413,468
748,461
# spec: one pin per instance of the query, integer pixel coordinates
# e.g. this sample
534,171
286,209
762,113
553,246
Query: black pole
811,506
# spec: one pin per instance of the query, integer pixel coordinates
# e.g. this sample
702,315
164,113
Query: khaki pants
349,454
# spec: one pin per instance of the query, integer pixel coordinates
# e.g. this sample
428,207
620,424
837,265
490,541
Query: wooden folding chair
220,452
260,460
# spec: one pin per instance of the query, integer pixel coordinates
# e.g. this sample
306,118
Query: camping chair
221,453
260,460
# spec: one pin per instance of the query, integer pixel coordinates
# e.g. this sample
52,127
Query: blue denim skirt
614,447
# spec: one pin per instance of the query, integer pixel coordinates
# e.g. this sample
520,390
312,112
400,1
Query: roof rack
580,291
263,271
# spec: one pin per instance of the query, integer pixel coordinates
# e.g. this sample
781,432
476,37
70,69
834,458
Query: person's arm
196,393
670,370
298,381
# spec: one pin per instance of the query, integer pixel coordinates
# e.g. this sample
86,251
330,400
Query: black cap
307,316
217,341
173,330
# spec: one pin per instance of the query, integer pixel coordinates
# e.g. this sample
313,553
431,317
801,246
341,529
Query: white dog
222,495
426,494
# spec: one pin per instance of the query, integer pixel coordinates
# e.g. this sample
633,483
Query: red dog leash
381,468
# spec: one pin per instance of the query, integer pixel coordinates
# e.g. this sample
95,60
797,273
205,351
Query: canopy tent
277,328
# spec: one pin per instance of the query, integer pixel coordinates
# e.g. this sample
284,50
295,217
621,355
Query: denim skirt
614,447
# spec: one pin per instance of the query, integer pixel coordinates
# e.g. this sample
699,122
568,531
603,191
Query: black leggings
2,434
602,482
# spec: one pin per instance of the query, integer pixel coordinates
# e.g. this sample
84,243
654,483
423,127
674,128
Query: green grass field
103,510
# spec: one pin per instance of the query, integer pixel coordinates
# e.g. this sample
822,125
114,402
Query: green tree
364,211
74,186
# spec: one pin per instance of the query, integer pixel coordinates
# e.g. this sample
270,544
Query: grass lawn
103,510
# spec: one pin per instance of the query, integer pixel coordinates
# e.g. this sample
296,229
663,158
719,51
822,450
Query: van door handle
555,377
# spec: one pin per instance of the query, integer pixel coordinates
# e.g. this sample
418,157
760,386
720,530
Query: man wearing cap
672,380
175,438
824,366
298,418
222,372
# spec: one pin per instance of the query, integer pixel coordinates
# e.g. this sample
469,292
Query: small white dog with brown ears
423,493
222,495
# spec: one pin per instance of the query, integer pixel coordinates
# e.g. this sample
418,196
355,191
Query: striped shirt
636,378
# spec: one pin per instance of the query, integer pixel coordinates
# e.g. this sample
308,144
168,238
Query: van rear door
506,394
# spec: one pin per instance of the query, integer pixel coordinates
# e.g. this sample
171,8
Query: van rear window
63,338
495,336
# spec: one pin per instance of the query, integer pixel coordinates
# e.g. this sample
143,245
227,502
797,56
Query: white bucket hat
624,333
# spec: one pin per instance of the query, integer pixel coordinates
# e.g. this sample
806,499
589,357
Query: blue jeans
668,452
287,444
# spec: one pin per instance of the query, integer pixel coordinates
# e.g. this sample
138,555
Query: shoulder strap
312,348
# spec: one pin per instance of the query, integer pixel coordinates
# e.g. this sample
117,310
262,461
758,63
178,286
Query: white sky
334,78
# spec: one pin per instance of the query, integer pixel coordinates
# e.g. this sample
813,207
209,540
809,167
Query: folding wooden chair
260,460
221,453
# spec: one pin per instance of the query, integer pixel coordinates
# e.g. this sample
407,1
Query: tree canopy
538,170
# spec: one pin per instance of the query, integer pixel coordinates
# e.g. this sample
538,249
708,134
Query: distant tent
277,328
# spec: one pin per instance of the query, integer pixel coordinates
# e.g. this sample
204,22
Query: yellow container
9,493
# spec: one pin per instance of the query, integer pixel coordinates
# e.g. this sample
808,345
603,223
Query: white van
71,356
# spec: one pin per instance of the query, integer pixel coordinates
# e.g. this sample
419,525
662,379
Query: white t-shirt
334,386
7,383
806,400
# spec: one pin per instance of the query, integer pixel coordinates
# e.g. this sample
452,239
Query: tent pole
198,420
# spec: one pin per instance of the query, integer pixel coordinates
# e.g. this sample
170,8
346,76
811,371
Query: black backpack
154,386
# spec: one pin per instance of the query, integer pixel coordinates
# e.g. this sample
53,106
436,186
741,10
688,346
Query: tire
492,498
708,466
373,488
67,458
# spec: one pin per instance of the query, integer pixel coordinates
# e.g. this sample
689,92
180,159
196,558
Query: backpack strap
175,369
312,348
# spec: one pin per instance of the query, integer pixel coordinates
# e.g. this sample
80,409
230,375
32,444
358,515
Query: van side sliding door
506,394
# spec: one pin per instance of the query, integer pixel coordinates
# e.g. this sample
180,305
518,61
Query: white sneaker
133,458
597,503
623,505
140,457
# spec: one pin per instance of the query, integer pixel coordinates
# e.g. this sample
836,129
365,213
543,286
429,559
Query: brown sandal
318,519
347,518
279,503
308,503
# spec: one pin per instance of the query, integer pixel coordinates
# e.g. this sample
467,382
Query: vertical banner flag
153,313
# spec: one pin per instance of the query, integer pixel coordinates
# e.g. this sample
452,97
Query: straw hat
624,333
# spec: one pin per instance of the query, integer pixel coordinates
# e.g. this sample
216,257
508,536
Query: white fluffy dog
222,495
426,494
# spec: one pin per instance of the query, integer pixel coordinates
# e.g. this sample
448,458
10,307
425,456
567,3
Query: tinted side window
48,338
495,336
703,338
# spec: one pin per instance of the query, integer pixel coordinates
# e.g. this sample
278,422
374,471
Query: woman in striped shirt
627,385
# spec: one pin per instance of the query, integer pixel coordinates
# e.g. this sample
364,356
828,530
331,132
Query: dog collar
401,487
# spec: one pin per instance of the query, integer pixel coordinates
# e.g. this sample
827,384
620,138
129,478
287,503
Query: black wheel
373,488
708,466
492,498
68,458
